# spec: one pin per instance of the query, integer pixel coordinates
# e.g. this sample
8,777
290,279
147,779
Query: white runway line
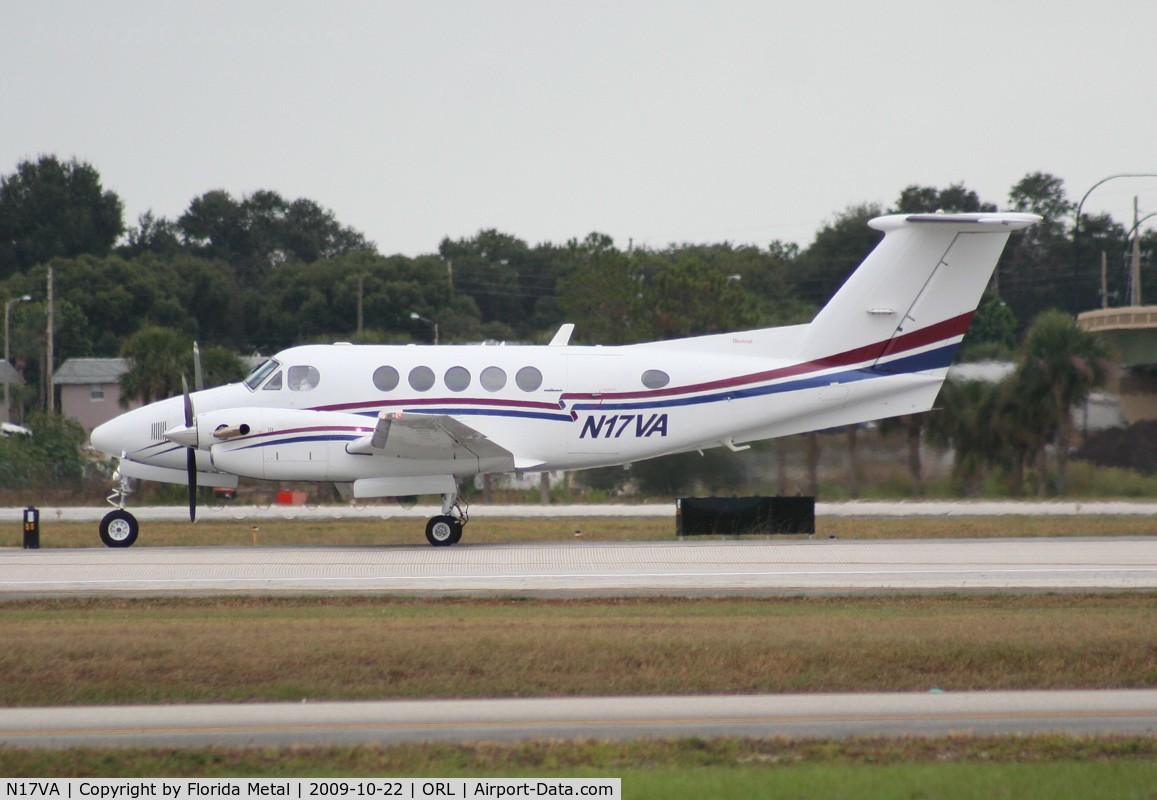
607,568
829,715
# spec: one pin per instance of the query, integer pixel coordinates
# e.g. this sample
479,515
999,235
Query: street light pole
7,337
1077,231
416,316
1134,234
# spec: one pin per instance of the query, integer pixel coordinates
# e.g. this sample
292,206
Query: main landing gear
446,529
119,528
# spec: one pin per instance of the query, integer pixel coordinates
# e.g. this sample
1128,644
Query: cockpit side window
302,378
260,373
273,384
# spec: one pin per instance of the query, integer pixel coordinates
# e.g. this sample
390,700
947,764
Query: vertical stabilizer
907,306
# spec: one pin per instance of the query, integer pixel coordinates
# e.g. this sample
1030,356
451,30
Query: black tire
443,531
119,528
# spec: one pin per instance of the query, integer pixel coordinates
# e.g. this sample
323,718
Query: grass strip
250,649
1042,766
223,530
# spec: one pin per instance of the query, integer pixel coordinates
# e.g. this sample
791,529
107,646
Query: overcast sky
673,121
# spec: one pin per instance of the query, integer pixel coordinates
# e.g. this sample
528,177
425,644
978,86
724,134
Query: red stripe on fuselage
871,352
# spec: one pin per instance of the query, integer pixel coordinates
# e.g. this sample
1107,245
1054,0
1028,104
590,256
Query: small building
90,390
10,376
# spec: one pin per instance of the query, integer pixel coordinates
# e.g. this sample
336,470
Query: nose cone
109,437
137,430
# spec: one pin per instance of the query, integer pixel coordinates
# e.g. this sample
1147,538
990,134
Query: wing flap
428,436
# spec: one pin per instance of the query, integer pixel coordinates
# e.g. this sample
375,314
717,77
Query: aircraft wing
429,437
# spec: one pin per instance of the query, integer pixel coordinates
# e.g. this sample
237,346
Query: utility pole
49,358
8,349
361,289
1104,280
1136,272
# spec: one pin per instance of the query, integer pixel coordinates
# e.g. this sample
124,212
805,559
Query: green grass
1044,766
336,648
223,530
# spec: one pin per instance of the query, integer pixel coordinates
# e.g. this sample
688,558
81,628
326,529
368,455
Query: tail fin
906,307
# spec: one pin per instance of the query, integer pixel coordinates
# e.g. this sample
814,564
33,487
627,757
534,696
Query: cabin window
96,392
273,384
303,378
386,378
528,379
421,379
493,379
655,379
457,379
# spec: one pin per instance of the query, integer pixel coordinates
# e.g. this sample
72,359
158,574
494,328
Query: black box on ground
733,516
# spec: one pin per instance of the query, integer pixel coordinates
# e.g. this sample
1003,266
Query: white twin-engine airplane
393,421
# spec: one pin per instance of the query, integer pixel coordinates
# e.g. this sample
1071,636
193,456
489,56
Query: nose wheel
119,528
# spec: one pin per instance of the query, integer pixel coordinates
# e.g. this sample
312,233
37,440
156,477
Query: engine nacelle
281,444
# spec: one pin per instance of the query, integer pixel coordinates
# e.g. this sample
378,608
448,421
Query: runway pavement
821,716
677,567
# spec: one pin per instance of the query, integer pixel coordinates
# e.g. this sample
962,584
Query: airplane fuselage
550,407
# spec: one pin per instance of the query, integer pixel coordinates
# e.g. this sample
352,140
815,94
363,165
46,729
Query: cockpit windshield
260,373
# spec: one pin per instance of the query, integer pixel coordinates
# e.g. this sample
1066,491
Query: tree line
262,272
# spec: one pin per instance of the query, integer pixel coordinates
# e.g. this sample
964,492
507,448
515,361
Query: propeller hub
184,435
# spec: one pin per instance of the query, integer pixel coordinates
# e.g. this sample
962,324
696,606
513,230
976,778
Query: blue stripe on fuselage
939,358
932,359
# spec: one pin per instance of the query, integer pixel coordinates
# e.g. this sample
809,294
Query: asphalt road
677,567
820,716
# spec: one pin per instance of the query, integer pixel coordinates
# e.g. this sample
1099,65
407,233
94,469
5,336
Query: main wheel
119,528
442,531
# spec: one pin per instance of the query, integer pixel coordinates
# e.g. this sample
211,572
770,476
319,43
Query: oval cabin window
421,379
528,379
457,379
655,379
386,379
493,379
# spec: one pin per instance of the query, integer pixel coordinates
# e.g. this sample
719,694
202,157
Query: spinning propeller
191,452
191,422
187,435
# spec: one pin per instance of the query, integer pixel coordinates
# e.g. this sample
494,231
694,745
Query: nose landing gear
119,528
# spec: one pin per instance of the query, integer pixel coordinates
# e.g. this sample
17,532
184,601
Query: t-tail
882,345
907,306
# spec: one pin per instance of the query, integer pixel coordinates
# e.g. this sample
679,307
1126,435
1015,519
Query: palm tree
964,423
156,359
1060,365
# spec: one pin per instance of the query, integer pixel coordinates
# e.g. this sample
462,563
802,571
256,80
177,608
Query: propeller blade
190,452
188,402
191,462
198,375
